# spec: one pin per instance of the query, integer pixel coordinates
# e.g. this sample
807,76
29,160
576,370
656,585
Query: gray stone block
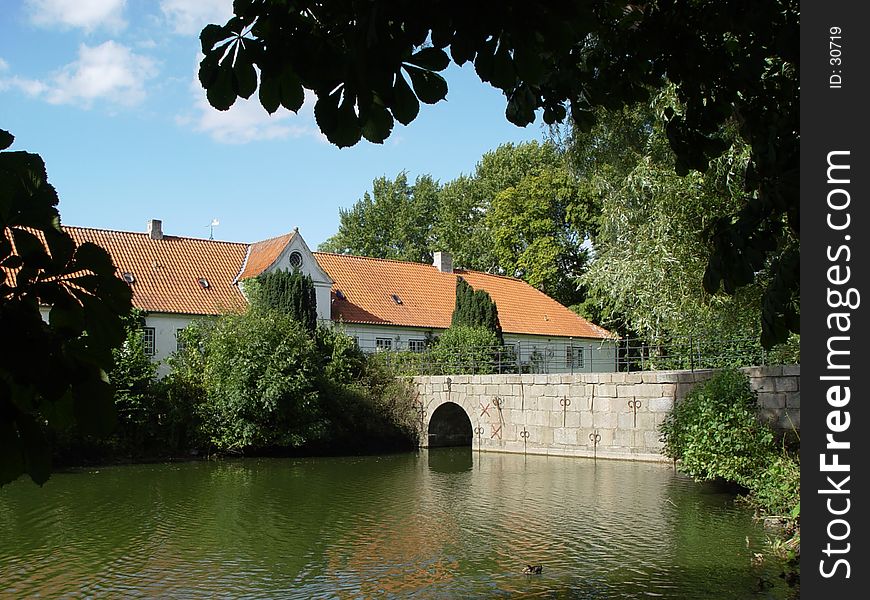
791,370
625,421
606,391
771,400
793,400
664,404
787,384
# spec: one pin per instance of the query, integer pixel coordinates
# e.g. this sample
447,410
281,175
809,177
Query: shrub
464,349
260,378
776,490
715,433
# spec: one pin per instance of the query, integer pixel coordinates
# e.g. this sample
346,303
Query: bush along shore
714,435
268,381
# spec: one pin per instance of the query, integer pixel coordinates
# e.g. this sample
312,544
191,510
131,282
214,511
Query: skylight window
396,299
129,278
203,282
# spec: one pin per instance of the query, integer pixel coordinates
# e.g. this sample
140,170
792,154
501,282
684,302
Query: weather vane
214,223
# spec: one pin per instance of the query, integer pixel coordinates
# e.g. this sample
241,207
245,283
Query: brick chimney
155,229
443,261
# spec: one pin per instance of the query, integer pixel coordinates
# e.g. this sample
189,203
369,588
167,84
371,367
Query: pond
446,523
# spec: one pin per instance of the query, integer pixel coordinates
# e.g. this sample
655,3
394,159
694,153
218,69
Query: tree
538,229
52,375
475,309
519,213
650,248
286,292
133,376
728,59
394,222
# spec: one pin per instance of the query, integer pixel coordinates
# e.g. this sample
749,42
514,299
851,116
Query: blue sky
105,91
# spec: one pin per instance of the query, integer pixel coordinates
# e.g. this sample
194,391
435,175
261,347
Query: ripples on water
438,524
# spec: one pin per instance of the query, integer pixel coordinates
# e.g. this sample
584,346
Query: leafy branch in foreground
52,374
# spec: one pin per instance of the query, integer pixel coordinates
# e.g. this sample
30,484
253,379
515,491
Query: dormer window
203,283
396,299
340,295
129,278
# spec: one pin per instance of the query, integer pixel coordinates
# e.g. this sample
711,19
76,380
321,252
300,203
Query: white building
384,304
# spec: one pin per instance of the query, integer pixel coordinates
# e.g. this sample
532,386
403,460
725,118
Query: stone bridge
611,415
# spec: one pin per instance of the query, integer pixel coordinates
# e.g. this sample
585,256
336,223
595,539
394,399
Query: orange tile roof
167,274
167,271
262,255
428,297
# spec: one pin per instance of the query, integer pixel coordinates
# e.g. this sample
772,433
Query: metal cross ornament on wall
484,410
634,405
496,431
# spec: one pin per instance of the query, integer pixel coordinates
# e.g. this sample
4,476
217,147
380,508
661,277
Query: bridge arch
449,425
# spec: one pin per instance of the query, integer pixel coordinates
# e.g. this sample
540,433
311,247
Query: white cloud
247,121
109,72
3,65
188,17
85,14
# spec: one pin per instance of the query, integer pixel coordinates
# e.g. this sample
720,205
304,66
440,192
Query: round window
295,259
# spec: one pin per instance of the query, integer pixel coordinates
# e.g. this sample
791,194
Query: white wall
165,328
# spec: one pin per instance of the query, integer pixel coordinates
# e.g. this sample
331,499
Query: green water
436,524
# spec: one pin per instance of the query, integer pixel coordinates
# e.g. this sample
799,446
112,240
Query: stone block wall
607,415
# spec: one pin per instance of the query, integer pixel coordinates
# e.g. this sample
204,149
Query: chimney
155,229
443,262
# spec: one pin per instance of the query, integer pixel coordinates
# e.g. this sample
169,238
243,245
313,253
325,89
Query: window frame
575,356
149,341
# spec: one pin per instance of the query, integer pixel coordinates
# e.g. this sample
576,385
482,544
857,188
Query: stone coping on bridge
602,415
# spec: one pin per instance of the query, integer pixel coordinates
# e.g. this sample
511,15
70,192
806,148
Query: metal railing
584,356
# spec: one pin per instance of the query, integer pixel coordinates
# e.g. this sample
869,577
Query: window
416,345
148,341
179,341
295,259
382,344
574,356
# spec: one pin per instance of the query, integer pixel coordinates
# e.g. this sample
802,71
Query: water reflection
441,523
450,460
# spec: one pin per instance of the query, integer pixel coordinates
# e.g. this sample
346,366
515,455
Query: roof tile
167,271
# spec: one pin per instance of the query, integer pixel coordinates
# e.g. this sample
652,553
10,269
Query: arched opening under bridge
449,426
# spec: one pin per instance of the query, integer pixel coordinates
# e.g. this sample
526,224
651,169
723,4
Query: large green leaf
379,124
244,75
405,105
6,139
221,92
432,59
430,87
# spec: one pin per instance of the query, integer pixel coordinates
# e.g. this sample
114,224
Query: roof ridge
290,233
180,237
392,260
